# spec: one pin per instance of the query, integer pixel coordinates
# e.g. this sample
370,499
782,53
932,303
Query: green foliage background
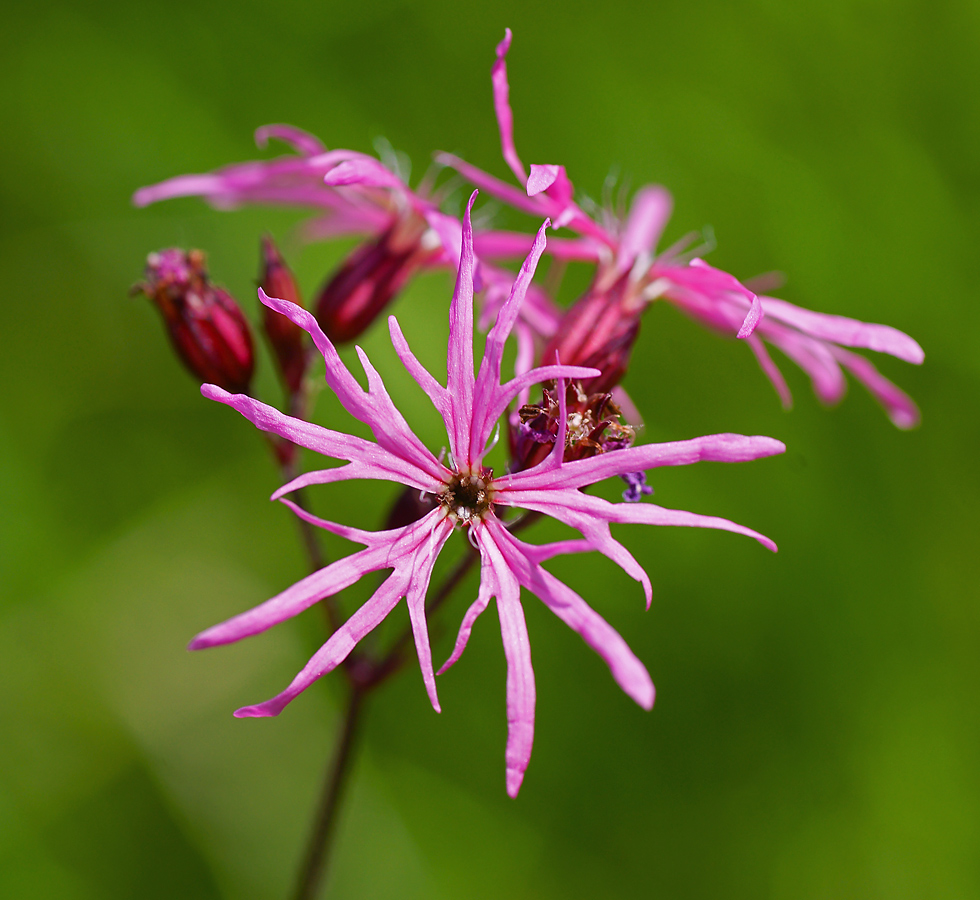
816,729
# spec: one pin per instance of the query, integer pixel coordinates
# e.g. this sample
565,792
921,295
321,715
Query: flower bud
599,331
287,339
370,278
410,506
206,326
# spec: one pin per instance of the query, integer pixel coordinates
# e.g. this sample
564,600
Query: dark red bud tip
288,340
410,506
206,327
370,278
599,330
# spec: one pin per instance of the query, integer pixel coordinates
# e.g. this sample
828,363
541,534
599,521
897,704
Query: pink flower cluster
569,435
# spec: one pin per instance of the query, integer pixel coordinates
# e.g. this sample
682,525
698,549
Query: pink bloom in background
296,181
357,194
630,276
470,496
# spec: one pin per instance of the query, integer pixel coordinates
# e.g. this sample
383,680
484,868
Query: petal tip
648,698
541,178
213,392
258,711
515,779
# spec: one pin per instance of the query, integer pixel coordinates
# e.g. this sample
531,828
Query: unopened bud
410,506
371,277
206,326
599,331
287,339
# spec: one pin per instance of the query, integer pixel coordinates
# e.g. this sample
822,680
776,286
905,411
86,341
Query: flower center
467,497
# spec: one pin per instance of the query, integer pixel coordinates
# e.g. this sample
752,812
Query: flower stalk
320,841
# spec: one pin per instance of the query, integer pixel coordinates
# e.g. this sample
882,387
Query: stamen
466,498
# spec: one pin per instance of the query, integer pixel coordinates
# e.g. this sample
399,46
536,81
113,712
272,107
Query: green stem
321,837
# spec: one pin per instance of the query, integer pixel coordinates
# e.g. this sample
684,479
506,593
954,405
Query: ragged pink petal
848,332
357,535
389,469
561,191
541,178
771,370
323,440
515,386
813,356
301,141
580,515
373,407
338,646
364,171
460,380
488,590
487,382
719,286
520,689
424,560
514,244
181,186
651,514
517,649
630,674
901,408
582,472
573,506
410,551
752,319
376,462
423,378
294,180
647,219
295,599
501,105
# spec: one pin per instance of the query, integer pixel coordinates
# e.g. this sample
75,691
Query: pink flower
470,497
294,181
625,249
358,194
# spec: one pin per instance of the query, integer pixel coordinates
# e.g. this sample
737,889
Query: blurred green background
816,728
